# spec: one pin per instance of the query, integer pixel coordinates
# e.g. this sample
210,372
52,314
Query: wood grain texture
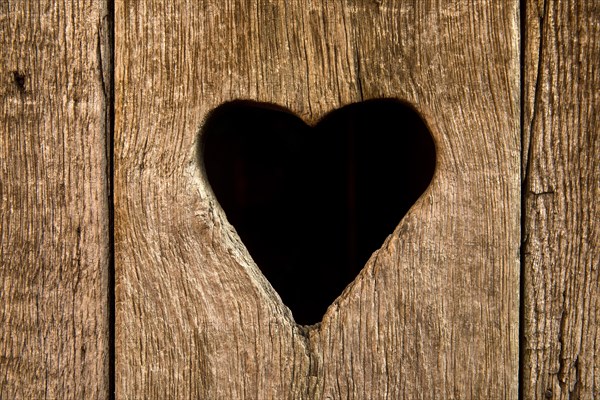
434,314
54,238
561,189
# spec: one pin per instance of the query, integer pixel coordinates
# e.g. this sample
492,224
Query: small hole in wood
313,203
19,80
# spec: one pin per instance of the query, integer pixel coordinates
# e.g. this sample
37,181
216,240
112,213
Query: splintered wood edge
198,181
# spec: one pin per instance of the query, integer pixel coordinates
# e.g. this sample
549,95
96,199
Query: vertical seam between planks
110,140
522,47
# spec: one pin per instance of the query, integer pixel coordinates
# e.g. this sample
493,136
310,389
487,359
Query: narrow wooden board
54,233
561,183
435,312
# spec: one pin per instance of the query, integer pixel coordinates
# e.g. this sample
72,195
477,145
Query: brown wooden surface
435,312
53,201
561,190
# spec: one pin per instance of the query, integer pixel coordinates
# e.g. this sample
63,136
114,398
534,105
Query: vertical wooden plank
561,189
54,238
434,314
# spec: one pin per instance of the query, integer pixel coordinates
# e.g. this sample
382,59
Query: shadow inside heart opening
312,203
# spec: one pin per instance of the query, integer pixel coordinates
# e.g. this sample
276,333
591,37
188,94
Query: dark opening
312,204
19,80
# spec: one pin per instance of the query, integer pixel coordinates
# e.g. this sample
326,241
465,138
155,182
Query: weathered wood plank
54,237
435,312
561,189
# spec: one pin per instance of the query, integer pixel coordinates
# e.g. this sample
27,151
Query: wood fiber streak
435,312
54,238
561,182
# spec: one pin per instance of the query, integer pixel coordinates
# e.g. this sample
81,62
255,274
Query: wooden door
487,288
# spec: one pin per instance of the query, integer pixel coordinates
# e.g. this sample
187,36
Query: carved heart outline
312,203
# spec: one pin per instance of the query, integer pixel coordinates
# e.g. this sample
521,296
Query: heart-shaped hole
312,203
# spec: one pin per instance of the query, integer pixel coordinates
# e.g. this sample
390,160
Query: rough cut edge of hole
211,209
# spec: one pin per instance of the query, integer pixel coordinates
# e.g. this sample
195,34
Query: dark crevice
312,203
359,85
523,178
110,136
